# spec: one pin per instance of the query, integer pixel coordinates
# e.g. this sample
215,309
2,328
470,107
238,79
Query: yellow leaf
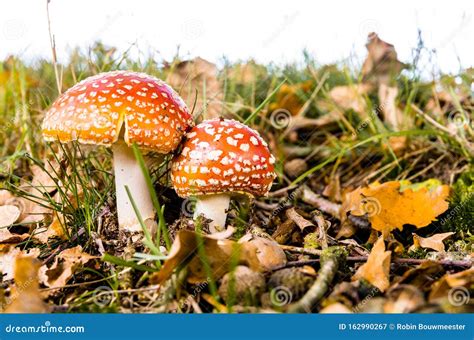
434,242
377,268
291,97
8,255
25,295
388,208
55,229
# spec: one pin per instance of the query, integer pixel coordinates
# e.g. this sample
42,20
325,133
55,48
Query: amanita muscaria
117,109
221,158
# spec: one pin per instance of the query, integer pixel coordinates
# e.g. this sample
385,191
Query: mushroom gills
129,173
213,207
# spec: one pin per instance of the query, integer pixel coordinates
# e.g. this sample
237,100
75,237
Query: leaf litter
361,219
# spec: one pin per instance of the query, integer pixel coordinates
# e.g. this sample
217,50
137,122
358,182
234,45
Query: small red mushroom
118,109
220,158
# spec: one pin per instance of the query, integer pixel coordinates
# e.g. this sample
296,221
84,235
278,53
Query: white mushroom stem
129,173
213,207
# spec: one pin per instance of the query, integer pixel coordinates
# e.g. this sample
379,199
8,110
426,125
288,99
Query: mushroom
117,109
221,158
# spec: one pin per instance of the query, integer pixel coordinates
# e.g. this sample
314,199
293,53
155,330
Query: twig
322,204
323,226
399,261
266,206
300,250
281,192
331,259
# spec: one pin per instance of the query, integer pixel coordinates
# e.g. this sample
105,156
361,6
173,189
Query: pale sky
267,31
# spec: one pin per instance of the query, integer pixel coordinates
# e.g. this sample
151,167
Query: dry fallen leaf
333,189
43,179
347,97
6,237
220,255
269,253
381,65
8,257
442,287
389,208
393,116
397,144
190,78
434,242
300,221
377,268
5,195
463,278
422,276
9,214
64,266
55,229
247,73
25,294
404,299
335,308
30,211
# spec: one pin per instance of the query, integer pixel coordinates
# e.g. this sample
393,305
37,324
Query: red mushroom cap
219,156
94,110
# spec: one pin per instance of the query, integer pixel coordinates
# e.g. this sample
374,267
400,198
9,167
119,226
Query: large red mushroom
118,109
221,158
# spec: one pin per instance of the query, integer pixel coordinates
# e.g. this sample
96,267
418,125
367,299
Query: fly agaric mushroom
95,110
220,158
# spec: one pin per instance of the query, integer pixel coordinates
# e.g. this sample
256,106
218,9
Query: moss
419,253
460,214
338,253
311,241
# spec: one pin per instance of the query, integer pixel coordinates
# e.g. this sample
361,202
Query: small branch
281,192
300,250
320,203
399,261
331,259
323,226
